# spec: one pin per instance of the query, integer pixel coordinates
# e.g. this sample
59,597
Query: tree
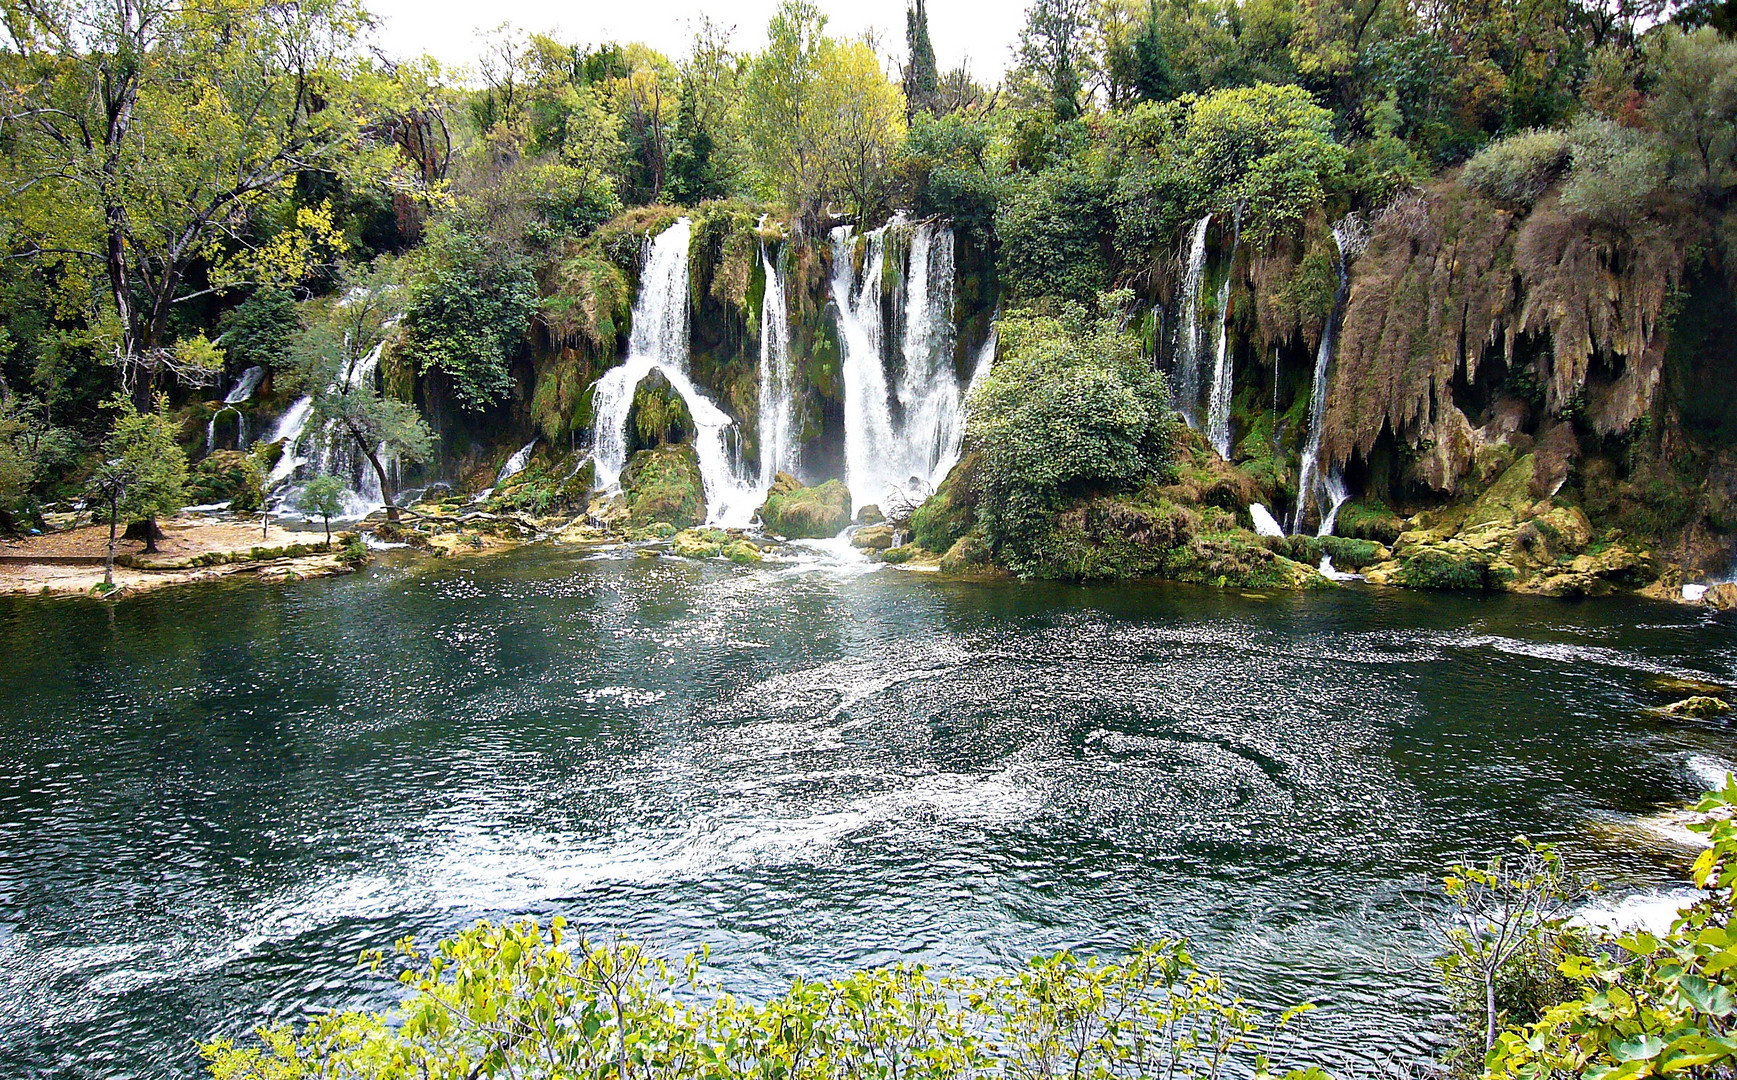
468,307
339,354
1505,911
1694,107
150,135
922,75
146,469
1052,48
823,121
323,495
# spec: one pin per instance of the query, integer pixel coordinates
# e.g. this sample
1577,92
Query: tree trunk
329,531
385,491
1489,1012
109,562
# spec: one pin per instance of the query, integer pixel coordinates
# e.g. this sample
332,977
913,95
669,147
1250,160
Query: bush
1616,171
1070,409
468,310
948,514
508,1000
967,553
1519,168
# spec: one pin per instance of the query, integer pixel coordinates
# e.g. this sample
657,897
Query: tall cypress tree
1152,80
922,77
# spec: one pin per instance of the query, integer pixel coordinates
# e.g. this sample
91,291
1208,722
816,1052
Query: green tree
148,138
1694,107
261,329
146,469
467,311
1071,408
322,495
922,74
335,353
1053,47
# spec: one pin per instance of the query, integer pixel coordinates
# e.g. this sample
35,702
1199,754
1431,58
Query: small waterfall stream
516,464
779,451
1189,358
660,344
1312,488
331,450
1223,364
243,389
900,438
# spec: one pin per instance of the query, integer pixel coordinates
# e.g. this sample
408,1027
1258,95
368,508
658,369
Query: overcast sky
979,33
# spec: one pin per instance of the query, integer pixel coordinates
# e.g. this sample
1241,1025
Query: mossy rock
1368,521
664,484
870,515
806,513
1699,707
1107,538
948,514
575,491
743,552
1237,561
896,556
969,552
1346,552
699,543
1444,567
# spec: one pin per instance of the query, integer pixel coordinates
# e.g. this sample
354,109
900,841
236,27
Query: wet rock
1722,596
699,543
873,537
742,551
870,515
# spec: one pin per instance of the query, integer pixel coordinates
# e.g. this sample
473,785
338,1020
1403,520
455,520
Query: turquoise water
212,799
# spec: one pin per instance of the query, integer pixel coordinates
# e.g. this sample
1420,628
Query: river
212,799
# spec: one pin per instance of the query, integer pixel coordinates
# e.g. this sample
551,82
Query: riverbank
195,548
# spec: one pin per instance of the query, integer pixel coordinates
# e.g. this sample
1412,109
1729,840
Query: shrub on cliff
1518,168
1070,409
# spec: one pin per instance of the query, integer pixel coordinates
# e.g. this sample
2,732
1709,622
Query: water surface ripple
211,800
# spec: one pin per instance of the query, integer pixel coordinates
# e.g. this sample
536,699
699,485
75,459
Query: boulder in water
870,515
1699,707
664,484
806,513
873,537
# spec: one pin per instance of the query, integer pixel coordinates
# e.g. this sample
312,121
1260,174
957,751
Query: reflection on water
211,800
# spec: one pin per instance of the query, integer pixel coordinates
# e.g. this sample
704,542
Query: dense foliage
1070,408
523,1000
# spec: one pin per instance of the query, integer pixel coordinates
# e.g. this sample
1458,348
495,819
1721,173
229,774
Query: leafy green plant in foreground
1649,1005
523,1000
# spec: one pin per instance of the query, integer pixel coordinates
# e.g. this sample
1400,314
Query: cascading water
289,432
985,361
660,344
778,447
515,464
331,450
1223,375
1188,354
900,441
239,393
1311,487
1218,404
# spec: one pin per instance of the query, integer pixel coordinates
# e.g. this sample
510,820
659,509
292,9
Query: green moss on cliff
806,513
664,485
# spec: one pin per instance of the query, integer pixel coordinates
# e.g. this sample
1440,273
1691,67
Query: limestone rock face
806,513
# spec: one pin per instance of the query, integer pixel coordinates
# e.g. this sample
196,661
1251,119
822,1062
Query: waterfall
240,392
985,361
1310,485
778,448
1186,392
1264,522
289,432
900,438
660,344
1218,404
515,464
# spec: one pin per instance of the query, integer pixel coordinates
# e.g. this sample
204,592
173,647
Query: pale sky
979,33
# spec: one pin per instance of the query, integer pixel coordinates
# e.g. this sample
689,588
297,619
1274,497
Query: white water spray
516,464
900,440
239,393
1218,404
1188,353
1264,522
779,451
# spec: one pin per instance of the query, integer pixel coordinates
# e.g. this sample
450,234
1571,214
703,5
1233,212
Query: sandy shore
186,538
